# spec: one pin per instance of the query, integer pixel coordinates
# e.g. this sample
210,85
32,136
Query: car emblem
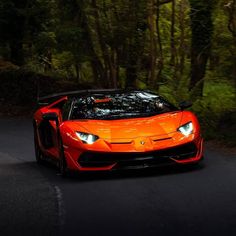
142,142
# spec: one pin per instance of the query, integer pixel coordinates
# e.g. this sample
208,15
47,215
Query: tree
202,28
12,20
20,24
231,9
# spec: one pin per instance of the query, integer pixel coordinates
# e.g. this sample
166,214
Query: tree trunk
114,68
131,77
112,81
16,49
172,36
182,45
77,71
136,40
160,62
153,43
96,64
231,8
198,69
202,28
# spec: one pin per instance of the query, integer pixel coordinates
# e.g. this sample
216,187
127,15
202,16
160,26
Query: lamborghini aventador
98,130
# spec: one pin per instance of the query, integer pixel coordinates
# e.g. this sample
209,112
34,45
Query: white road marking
61,208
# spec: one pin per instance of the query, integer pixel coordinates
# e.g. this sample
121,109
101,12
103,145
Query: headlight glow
87,138
186,129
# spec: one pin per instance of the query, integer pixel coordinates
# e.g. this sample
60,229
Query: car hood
130,128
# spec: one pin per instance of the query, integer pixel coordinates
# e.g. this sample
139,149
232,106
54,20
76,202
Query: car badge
142,142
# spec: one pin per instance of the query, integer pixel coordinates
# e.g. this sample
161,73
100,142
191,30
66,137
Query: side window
66,110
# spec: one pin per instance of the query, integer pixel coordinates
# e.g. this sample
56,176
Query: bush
19,88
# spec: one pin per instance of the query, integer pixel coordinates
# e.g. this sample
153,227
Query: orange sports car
97,130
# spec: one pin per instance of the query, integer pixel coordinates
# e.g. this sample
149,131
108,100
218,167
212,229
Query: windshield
119,106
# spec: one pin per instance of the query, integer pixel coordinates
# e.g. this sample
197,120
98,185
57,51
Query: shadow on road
50,171
25,197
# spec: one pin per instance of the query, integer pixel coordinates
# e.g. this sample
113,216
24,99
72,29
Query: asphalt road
35,200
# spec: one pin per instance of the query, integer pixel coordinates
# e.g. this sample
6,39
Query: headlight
186,129
87,138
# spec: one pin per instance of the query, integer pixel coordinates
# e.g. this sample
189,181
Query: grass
216,110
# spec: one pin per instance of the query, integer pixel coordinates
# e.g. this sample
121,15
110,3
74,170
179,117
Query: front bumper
190,152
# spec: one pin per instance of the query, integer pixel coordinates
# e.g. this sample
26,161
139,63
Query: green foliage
216,110
45,41
20,88
20,24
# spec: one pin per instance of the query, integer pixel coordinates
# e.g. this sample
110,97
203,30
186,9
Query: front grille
164,156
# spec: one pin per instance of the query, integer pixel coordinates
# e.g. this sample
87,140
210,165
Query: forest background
182,49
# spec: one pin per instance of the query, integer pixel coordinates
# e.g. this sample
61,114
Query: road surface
35,200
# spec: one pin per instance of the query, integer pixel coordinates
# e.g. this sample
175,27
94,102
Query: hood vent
121,142
161,139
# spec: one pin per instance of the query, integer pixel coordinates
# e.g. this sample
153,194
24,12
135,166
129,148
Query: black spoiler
45,100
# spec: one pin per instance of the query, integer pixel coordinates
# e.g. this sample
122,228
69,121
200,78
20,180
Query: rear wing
46,100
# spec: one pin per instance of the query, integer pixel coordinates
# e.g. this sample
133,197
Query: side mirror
50,116
185,104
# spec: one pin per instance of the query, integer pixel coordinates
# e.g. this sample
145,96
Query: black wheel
38,153
62,161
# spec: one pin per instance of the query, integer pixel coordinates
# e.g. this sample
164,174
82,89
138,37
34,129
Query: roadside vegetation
183,49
